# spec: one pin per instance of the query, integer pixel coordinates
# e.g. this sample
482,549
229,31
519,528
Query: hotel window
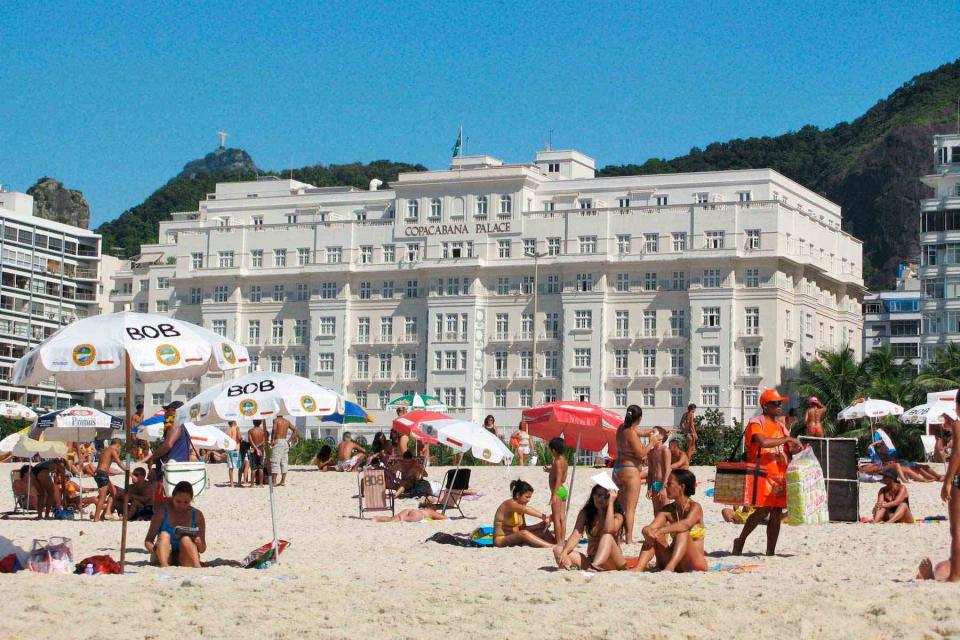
753,238
526,285
711,356
711,316
710,395
581,394
623,323
363,329
163,306
549,206
529,246
361,398
649,323
196,261
366,254
711,278
500,364
389,253
650,281
584,282
195,295
588,244
714,239
701,197
300,331
526,363
679,240
679,282
553,246
386,365
583,319
678,322
365,289
648,361
582,358
752,317
436,208
257,222
651,243
328,326
276,364
325,363
787,325
661,201
410,329
623,282
253,332
276,332
291,218
334,255
752,279
255,293
163,282
624,240
506,206
500,398
751,360
254,364
328,290
300,364
677,361
502,326
503,248
751,396
386,291
551,325
303,293
648,397
621,360
225,258
386,329
360,216
412,289
553,283
410,366
481,207
144,285
550,395
623,203
413,210
413,251
553,167
620,397
586,203
676,397
279,257
744,196
551,362
220,293
503,286
256,258
469,252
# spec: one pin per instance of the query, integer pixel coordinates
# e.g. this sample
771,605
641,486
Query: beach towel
10,564
734,568
457,541
102,565
262,556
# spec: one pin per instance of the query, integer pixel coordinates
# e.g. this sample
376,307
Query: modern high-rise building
50,275
496,286
940,247
892,319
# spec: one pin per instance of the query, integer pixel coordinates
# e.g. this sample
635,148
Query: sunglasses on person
776,403
602,495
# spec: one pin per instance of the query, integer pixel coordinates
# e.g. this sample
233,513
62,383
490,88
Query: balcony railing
385,339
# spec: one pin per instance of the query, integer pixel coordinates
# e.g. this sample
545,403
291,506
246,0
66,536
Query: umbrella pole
126,473
573,475
273,523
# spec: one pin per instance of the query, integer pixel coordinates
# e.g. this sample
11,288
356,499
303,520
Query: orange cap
771,395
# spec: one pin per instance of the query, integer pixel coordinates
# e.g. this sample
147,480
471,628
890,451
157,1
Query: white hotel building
658,290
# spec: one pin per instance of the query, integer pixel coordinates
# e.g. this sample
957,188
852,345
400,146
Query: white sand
343,577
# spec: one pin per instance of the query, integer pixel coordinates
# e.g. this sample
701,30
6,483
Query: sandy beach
343,577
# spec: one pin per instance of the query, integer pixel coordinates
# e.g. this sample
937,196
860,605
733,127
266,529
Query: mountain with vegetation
53,201
139,225
870,166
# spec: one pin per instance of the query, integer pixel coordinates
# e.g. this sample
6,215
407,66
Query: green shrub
718,441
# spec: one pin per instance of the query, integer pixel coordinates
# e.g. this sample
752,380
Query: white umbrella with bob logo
105,351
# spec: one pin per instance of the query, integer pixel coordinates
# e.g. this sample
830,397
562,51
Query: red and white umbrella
410,424
463,436
206,437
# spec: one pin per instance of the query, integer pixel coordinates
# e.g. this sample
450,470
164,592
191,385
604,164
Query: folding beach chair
372,492
455,482
19,502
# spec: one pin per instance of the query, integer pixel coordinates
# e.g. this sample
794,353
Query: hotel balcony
674,373
500,337
361,339
410,338
621,336
523,336
750,333
676,334
620,374
750,373
385,339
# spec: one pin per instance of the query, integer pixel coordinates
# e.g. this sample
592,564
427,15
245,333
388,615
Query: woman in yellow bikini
602,521
682,520
509,527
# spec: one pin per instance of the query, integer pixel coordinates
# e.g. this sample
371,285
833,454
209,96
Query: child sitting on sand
509,527
682,520
893,500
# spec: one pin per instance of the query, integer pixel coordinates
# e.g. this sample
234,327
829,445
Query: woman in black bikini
893,500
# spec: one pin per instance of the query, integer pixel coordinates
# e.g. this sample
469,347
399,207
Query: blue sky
114,98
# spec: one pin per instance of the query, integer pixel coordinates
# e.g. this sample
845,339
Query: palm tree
943,371
889,380
835,377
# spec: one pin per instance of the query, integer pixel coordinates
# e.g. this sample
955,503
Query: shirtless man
280,448
813,418
688,427
404,441
143,447
658,468
350,455
557,479
234,461
109,456
411,473
678,458
140,495
257,436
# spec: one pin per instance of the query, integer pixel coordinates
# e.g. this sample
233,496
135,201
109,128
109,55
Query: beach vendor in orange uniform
766,439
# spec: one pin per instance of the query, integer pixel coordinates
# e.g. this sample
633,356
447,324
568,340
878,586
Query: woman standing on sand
626,469
509,527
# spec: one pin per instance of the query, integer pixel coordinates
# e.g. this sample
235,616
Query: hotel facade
496,286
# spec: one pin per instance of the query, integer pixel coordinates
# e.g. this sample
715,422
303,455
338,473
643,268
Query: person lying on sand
412,515
893,501
509,527
601,520
682,520
178,532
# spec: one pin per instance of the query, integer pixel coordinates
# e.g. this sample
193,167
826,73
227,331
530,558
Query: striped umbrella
414,401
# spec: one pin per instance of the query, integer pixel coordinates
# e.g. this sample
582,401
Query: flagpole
461,141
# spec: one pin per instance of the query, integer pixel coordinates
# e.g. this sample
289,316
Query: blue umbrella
352,413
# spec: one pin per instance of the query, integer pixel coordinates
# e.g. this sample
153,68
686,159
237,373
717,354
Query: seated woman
324,459
411,515
682,520
509,528
601,520
178,532
380,449
22,484
893,500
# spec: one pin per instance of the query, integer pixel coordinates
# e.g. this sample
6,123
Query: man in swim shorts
258,448
234,459
558,491
280,448
109,456
350,455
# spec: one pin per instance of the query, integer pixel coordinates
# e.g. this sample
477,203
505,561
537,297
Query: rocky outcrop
53,201
224,162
